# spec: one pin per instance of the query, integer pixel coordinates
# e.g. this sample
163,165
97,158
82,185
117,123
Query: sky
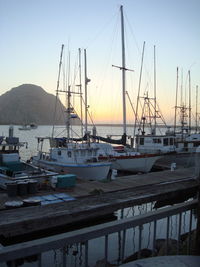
32,32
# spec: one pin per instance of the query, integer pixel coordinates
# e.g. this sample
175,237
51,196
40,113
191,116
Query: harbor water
75,253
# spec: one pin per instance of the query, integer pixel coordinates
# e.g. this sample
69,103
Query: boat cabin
155,143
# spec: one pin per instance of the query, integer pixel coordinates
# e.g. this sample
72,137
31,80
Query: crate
65,181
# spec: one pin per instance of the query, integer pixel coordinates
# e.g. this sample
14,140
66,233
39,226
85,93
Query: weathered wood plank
141,189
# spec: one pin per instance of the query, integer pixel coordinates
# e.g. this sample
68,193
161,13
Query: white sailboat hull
134,164
88,171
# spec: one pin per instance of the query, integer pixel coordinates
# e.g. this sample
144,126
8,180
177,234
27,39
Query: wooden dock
97,199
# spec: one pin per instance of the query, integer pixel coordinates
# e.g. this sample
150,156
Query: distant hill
29,103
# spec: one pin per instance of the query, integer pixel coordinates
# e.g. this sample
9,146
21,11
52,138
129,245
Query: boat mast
139,86
176,101
189,102
155,89
68,111
80,90
123,71
86,121
196,108
86,83
57,88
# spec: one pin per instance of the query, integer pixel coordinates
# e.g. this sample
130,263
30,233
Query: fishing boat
153,136
126,159
12,168
68,155
186,140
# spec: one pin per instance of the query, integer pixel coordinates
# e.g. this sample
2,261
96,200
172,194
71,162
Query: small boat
12,168
27,127
24,128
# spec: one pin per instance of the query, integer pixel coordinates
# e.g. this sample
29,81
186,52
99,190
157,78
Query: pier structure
175,191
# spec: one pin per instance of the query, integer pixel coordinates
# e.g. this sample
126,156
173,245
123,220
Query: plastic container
11,189
65,181
22,188
32,186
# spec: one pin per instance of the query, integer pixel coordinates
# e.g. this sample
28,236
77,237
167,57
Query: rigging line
138,49
110,53
108,62
60,133
92,40
76,70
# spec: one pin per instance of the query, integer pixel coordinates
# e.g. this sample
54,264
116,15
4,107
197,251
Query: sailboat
71,156
124,158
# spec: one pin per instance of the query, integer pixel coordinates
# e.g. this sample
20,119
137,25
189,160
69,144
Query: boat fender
54,181
173,166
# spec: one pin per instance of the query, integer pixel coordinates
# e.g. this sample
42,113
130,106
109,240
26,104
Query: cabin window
185,145
157,141
59,152
165,142
195,144
171,140
69,154
141,141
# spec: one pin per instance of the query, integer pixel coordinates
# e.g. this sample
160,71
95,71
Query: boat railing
76,246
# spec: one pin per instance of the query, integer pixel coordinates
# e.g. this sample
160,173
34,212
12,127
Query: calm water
96,247
29,136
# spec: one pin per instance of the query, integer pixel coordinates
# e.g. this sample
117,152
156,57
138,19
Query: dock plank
119,193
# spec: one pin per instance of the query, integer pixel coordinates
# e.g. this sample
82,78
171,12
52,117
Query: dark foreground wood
120,193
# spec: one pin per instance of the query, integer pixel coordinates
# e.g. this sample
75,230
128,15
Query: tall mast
138,96
57,88
86,82
68,100
196,109
123,71
189,102
85,61
155,89
80,90
68,113
176,100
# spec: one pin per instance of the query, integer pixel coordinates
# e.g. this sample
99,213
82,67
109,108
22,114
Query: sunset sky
32,32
